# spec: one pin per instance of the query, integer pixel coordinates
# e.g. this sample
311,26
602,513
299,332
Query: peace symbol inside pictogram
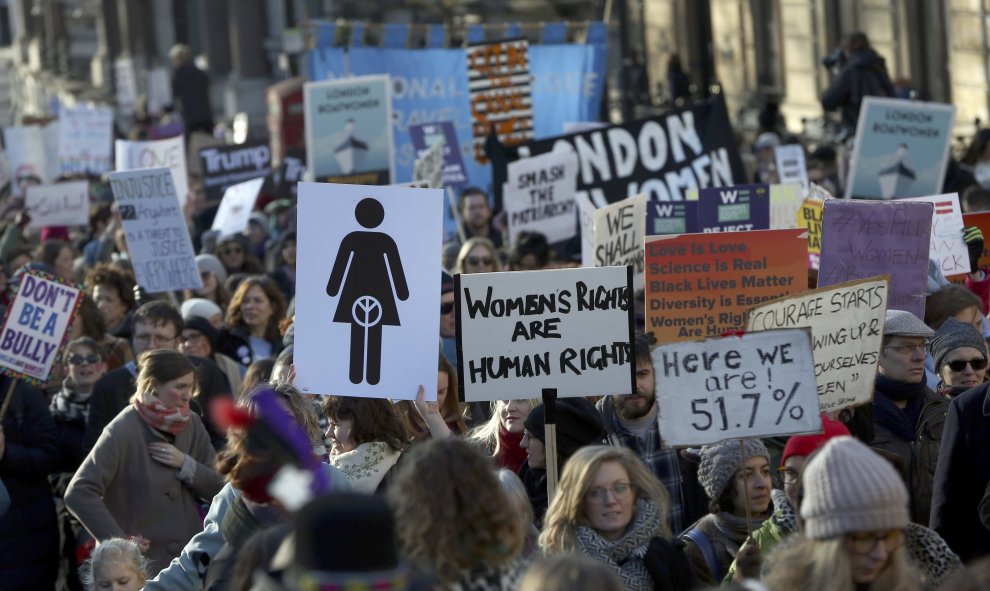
366,311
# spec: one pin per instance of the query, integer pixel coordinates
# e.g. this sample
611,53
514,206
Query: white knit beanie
850,488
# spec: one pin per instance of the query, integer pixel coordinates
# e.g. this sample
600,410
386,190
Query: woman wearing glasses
960,356
478,255
233,252
610,507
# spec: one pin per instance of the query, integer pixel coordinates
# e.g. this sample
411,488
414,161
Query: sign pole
749,515
457,216
550,433
7,398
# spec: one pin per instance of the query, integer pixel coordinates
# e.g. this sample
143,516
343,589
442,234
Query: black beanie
578,424
370,544
200,324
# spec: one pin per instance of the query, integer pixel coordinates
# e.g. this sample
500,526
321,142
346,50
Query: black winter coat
29,529
864,75
669,567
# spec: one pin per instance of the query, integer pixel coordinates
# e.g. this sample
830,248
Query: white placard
791,165
569,329
759,385
157,236
948,248
429,166
619,232
586,218
35,326
85,140
61,204
785,203
368,290
539,196
169,153
33,152
846,322
235,208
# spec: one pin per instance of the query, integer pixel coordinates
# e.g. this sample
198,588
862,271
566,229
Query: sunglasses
976,364
79,359
446,308
480,261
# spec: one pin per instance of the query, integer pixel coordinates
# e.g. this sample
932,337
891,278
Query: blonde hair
114,550
824,565
570,572
566,512
469,245
159,366
487,434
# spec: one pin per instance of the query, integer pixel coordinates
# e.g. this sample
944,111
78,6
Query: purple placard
862,239
424,135
734,209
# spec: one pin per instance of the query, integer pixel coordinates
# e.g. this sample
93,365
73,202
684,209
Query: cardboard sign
901,148
734,209
425,135
368,290
429,167
169,153
664,218
785,203
846,323
619,232
156,232
293,170
948,248
35,326
61,204
791,165
758,385
235,208
500,93
540,196
349,130
33,152
85,140
701,285
863,239
568,329
226,166
810,218
586,220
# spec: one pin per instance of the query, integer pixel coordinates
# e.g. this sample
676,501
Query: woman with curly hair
250,329
472,537
610,507
502,434
367,440
113,292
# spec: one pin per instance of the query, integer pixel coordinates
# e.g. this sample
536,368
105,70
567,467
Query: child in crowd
115,564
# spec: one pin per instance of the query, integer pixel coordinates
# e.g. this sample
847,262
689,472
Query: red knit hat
805,445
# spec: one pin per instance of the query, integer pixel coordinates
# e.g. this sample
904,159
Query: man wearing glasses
907,416
155,325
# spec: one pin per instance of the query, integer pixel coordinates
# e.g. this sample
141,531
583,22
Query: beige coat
119,490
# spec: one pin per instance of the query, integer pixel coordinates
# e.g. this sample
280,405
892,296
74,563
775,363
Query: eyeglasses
475,261
232,251
865,543
902,349
159,341
789,475
620,490
91,359
960,365
446,308
204,275
188,338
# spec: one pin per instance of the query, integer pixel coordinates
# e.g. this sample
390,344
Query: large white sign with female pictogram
368,290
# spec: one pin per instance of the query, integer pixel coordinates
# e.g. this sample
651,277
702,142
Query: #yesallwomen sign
569,329
758,385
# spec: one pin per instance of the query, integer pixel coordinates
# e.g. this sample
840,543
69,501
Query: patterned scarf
625,555
70,406
366,465
169,420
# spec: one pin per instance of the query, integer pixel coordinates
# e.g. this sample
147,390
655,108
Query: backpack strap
704,545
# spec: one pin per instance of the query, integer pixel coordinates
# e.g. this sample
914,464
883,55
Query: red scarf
510,454
169,420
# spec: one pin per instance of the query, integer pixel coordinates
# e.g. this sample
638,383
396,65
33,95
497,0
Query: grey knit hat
952,335
209,262
721,460
905,324
850,488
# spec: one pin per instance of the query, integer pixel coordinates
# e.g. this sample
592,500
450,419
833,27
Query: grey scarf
625,555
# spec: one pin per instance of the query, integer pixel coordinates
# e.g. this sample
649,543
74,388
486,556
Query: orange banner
702,285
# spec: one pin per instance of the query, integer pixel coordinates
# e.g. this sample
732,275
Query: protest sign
663,156
425,135
61,204
367,290
734,209
901,148
586,221
791,165
846,323
36,325
33,153
236,206
785,204
349,130
700,285
619,231
759,385
540,196
948,248
85,140
568,329
500,92
226,166
155,228
810,218
862,239
293,170
169,153
429,167
666,217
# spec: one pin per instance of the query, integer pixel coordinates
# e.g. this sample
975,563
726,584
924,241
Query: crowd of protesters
169,446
